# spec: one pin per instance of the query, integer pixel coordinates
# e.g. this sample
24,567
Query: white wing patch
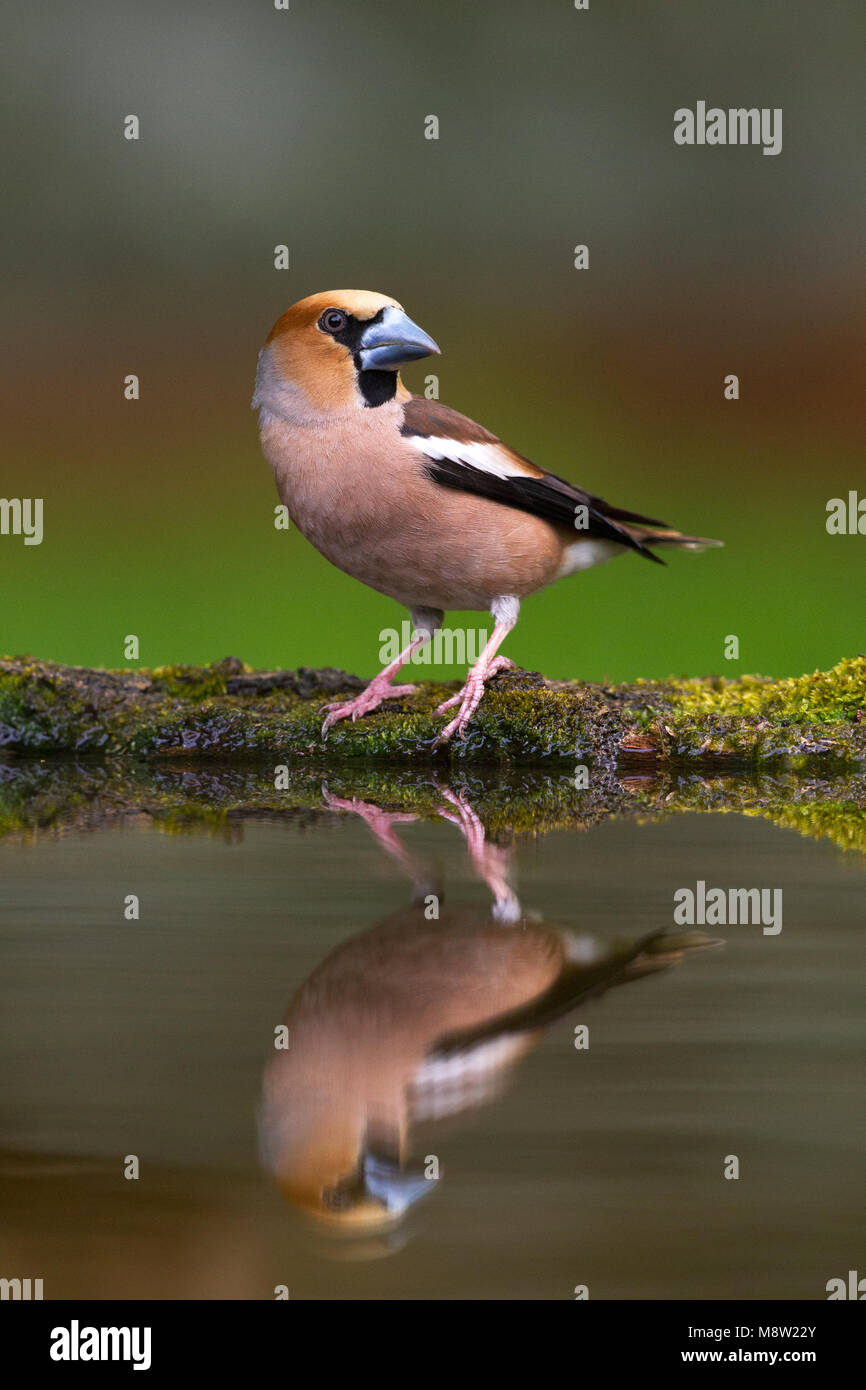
447,1085
487,458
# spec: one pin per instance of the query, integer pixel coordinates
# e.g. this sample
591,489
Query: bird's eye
337,1198
333,321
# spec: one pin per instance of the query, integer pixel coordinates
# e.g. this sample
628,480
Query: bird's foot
469,698
499,663
468,820
368,700
380,822
374,816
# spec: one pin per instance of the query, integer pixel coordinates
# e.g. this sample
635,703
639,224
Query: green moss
56,795
819,716
841,820
825,697
227,711
190,682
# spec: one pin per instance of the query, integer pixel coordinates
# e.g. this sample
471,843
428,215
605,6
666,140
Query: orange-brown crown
313,360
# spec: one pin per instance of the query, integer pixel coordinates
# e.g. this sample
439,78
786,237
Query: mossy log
227,712
54,796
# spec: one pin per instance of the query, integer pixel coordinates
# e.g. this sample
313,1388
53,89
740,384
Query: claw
469,699
447,704
365,703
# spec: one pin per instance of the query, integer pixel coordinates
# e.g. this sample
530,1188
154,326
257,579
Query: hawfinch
412,498
415,1020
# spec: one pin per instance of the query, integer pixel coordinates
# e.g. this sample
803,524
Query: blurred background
306,128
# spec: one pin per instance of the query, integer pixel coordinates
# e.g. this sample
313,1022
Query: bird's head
359,1191
336,352
376,1194
332,1161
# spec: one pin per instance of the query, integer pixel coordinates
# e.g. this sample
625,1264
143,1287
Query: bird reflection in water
419,1017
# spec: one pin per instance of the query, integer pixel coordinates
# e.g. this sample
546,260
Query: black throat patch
376,387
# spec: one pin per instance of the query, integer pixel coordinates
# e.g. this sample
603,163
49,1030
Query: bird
412,498
421,1018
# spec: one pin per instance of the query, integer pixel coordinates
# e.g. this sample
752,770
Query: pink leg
380,822
490,861
499,663
379,689
469,698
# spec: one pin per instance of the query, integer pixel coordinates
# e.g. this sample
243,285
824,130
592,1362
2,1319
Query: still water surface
558,1166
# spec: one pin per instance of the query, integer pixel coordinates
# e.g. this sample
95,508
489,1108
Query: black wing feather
549,497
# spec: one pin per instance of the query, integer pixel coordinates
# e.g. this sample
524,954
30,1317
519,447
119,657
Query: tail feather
647,535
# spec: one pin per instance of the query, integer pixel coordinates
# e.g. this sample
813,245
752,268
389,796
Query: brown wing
458,453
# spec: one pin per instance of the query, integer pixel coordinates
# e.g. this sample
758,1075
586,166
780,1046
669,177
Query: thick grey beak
395,339
397,1190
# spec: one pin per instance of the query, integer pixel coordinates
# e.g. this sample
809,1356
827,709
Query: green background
305,127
